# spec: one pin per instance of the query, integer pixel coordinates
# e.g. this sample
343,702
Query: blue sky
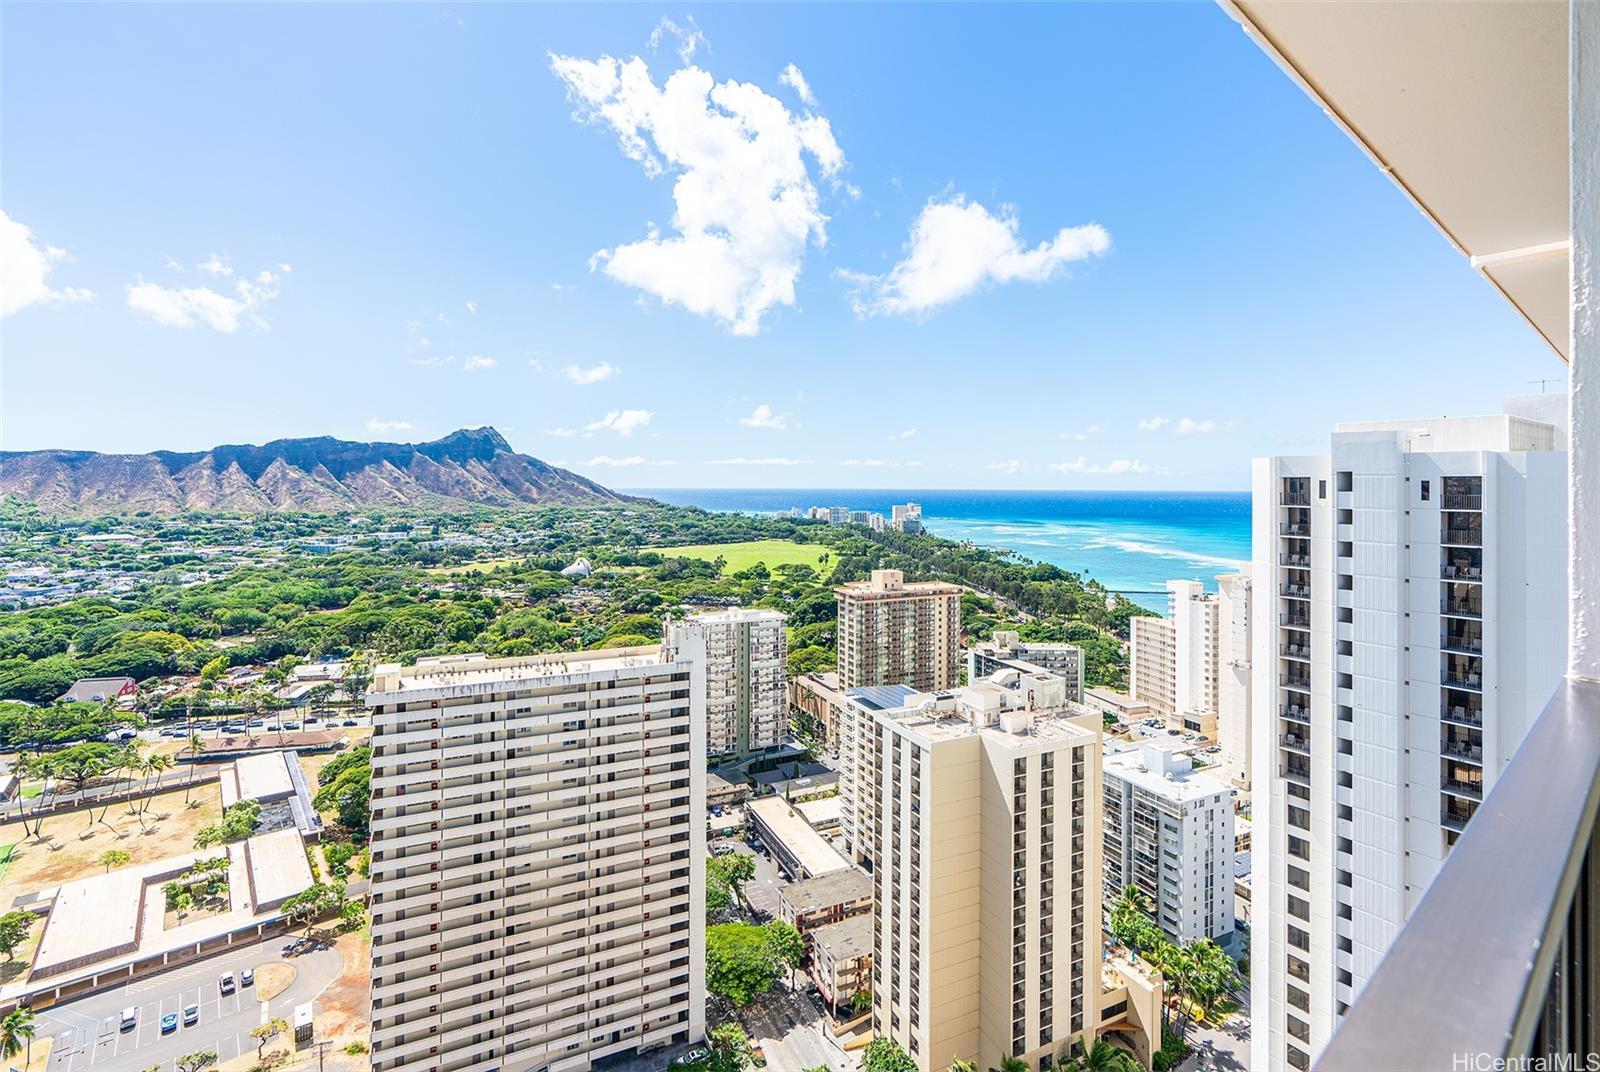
1105,246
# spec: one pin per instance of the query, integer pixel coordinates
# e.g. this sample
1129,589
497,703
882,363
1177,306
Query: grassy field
739,556
488,565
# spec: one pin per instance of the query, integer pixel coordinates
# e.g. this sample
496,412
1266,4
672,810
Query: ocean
1130,542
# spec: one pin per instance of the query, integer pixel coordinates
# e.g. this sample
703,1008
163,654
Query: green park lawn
740,556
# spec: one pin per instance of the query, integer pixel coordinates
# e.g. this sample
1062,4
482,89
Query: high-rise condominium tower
1409,594
746,652
894,632
538,847
1169,831
987,907
1233,632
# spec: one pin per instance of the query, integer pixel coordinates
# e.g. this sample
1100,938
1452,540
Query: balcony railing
1292,528
1296,591
1461,608
1295,714
1519,955
1300,561
1462,535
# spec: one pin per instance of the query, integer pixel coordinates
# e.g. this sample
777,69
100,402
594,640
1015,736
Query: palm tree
961,1064
160,763
1012,1064
16,1033
23,766
195,747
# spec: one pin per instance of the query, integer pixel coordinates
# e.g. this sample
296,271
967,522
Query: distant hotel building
1409,590
1169,831
747,653
906,517
1192,667
538,847
987,911
1007,651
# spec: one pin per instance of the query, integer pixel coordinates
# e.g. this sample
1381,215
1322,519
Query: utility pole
322,1052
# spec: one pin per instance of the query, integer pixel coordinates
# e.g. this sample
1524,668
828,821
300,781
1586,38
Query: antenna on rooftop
1542,383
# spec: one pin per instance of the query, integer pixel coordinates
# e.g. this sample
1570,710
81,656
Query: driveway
87,1033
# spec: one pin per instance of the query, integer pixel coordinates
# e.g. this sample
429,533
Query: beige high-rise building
1153,664
746,657
895,632
987,907
538,847
1193,666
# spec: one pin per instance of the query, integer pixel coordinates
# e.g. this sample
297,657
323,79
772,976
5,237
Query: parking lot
88,1035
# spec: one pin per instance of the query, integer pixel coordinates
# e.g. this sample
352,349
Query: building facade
1413,579
1234,675
1153,664
987,908
747,652
895,632
1168,830
1008,651
816,700
537,870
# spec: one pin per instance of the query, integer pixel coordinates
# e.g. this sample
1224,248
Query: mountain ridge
470,466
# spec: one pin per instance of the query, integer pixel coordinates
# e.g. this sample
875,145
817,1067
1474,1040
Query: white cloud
285,267
879,463
758,461
472,307
957,247
909,433
432,362
1189,426
535,364
624,422
1116,467
1093,429
1011,466
186,307
415,336
1151,424
764,417
564,433
216,264
381,426
689,37
478,361
604,459
791,77
745,204
25,268
586,376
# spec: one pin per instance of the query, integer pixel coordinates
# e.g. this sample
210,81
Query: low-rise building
1007,650
800,851
1119,705
99,689
826,899
841,961
815,700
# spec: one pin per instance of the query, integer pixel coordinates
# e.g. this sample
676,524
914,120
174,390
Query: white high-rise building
1409,593
1192,667
1234,676
1006,650
538,859
987,903
1168,830
746,657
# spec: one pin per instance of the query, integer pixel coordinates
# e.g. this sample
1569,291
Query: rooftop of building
1005,641
1010,705
737,614
1163,768
1113,698
825,891
890,583
846,939
446,671
880,697
823,812
809,848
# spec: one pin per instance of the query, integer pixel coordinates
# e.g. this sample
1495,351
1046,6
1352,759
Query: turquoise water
1129,542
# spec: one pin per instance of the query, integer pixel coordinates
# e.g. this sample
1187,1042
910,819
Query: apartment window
1426,491
1322,489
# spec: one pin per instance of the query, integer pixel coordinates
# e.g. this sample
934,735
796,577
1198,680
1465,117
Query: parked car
130,1017
169,1023
291,725
247,977
225,984
716,809
191,1015
351,722
310,719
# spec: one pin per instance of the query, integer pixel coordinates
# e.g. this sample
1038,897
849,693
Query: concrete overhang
1463,104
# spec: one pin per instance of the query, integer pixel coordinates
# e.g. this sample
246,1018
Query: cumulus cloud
764,417
477,362
1189,426
1115,467
758,461
624,422
1151,424
382,427
746,207
216,264
791,77
563,433
25,267
1092,429
1010,466
586,376
472,308
879,463
187,307
958,247
432,362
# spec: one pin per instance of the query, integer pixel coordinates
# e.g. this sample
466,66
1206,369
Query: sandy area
73,841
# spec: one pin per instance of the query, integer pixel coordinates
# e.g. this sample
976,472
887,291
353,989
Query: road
1225,1048
86,1030
761,892
793,1031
